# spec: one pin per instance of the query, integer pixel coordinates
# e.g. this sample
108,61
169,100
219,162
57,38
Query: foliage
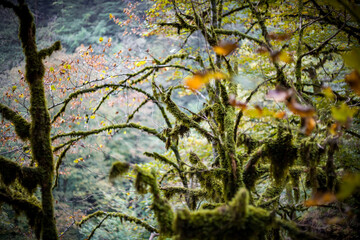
256,106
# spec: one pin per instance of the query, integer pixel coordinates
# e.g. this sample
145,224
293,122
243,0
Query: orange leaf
320,199
235,103
280,114
225,48
353,79
196,81
309,125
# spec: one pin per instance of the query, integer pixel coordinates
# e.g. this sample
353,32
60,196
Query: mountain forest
180,119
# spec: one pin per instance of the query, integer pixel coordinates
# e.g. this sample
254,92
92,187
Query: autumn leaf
283,56
352,59
280,94
225,48
327,91
280,115
353,79
101,39
343,114
280,36
235,103
140,63
111,16
298,109
196,81
320,199
309,125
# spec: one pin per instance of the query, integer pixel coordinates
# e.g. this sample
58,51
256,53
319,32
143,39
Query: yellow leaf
140,63
92,116
196,81
328,92
14,88
101,39
111,16
343,113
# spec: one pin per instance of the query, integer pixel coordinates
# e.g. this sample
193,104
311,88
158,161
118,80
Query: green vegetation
190,120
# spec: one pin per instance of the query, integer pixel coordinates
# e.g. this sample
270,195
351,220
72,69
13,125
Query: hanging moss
28,177
295,174
22,127
271,194
282,154
248,141
237,220
118,169
29,206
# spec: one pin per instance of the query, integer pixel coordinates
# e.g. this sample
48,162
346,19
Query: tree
24,180
283,144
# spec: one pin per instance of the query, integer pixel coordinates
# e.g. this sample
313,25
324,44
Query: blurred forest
172,119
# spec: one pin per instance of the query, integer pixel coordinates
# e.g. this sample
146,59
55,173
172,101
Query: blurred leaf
225,48
280,94
352,59
327,91
51,69
140,63
298,109
111,16
280,36
343,113
320,199
309,125
101,39
196,81
283,56
280,114
353,79
348,186
235,103
13,88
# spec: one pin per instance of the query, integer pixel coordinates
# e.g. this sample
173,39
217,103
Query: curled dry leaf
353,79
279,36
225,48
236,103
298,109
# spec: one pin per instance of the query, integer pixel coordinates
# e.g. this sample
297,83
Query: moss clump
22,127
295,174
118,169
234,221
162,209
282,154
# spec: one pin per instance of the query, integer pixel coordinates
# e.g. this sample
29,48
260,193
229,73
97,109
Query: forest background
104,42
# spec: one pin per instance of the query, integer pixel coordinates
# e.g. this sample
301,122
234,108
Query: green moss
295,174
118,169
22,127
282,154
234,221
162,209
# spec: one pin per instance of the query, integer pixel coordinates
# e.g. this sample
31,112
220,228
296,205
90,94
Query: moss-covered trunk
39,135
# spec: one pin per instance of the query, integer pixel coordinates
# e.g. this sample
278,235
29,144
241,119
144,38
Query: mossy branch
163,211
131,116
170,192
58,163
163,159
122,216
48,51
148,130
22,127
182,117
228,32
28,177
118,169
